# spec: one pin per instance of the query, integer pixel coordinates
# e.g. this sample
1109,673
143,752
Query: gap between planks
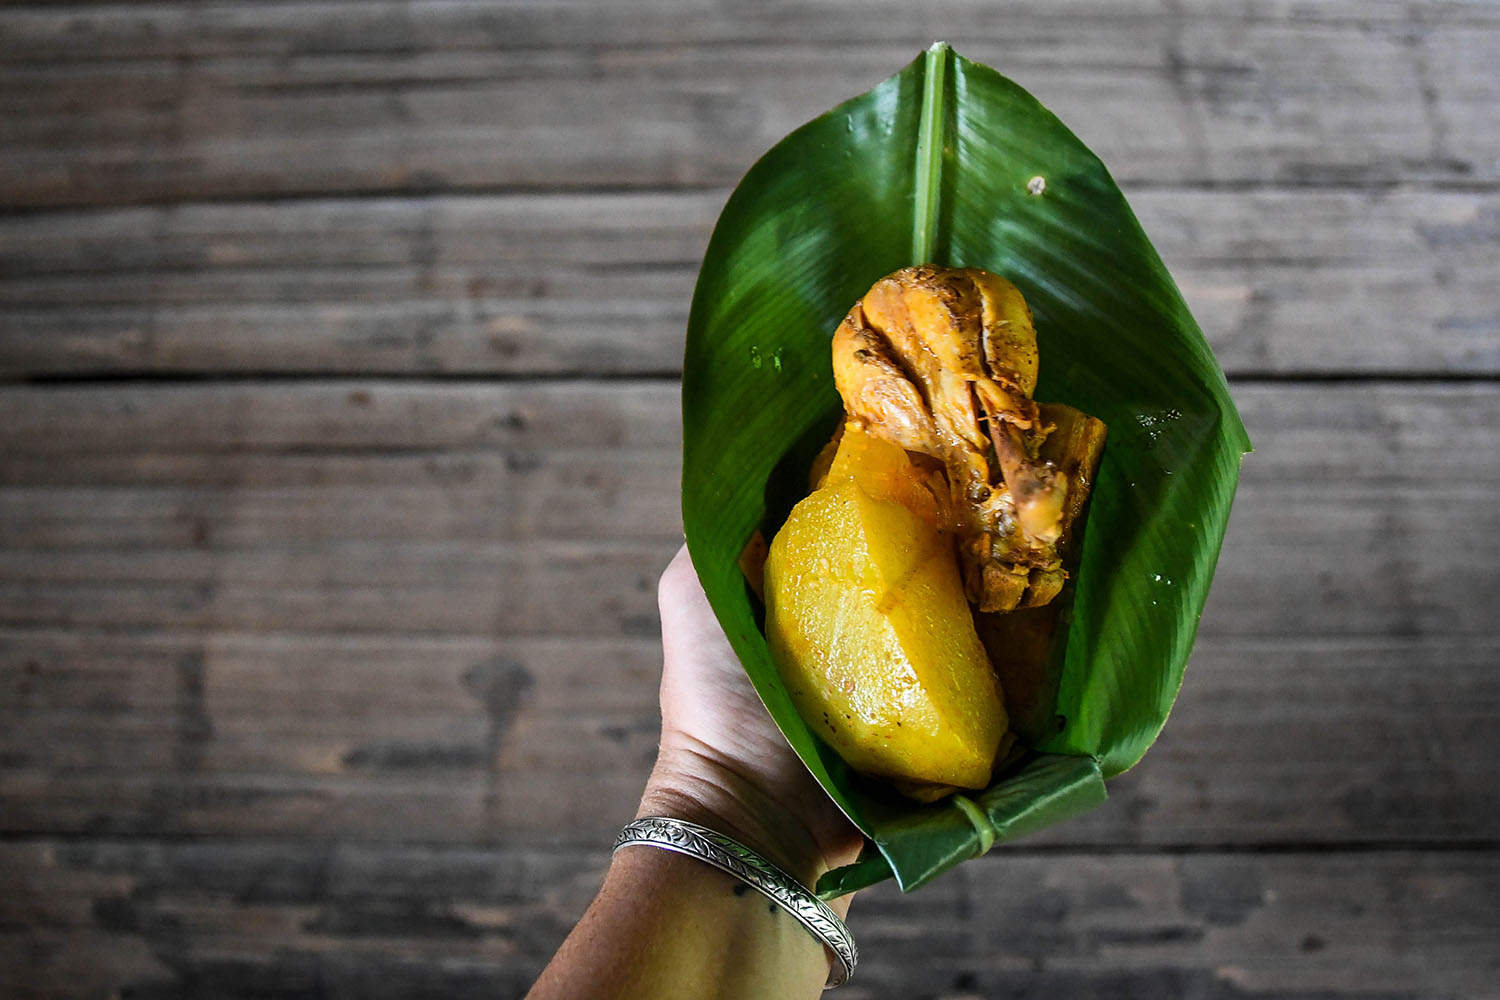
430,192
127,378
554,845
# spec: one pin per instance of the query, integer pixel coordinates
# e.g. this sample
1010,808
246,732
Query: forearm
668,925
665,925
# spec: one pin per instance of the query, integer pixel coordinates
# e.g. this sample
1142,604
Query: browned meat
943,361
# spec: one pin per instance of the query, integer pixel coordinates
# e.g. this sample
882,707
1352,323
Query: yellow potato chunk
886,472
867,622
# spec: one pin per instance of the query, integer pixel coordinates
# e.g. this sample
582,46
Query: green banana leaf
949,162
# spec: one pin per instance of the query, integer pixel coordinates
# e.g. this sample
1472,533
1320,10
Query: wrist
691,783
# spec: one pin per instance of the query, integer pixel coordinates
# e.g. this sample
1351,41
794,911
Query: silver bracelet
744,864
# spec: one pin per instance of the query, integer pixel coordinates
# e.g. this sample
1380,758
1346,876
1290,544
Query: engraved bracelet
744,864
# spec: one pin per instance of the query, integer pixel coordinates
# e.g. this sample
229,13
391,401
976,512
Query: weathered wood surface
600,284
316,683
548,740
320,608
1366,510
297,99
175,919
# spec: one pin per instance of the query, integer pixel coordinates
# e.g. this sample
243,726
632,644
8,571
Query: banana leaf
949,162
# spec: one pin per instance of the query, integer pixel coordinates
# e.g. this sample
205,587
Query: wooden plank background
339,438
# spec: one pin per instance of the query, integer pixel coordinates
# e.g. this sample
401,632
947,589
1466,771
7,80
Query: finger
689,627
678,589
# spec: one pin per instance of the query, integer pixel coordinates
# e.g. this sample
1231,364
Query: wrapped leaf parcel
949,162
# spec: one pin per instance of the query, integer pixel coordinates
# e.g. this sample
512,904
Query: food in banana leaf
947,500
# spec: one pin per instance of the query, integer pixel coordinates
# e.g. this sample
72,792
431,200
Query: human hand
723,762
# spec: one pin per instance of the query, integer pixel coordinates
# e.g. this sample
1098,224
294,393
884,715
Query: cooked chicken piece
943,361
1020,643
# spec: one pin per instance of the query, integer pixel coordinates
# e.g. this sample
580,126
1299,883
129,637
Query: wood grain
443,98
130,30
1365,510
600,284
254,918
339,447
427,612
548,740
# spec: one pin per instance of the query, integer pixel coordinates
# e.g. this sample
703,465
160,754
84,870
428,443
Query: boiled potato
887,473
868,624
